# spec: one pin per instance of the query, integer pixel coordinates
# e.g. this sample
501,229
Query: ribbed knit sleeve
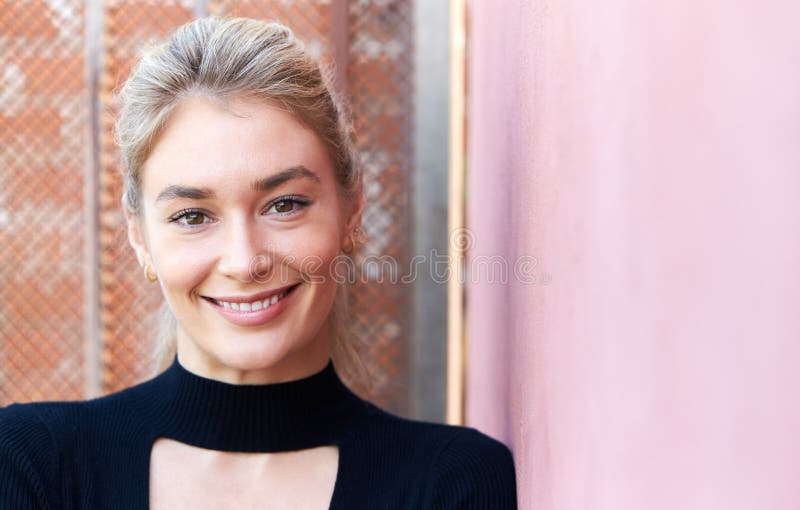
473,471
28,467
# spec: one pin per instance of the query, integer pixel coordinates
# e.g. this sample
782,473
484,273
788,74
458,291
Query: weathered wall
647,156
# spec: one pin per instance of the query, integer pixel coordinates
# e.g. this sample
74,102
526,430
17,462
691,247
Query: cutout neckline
274,417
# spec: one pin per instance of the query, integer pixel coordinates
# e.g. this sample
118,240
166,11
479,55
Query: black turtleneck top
95,454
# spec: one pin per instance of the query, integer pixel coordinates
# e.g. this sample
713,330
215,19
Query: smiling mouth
255,305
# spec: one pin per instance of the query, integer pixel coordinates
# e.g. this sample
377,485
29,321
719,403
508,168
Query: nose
240,250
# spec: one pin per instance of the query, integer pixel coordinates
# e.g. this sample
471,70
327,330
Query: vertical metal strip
91,299
456,337
340,37
429,185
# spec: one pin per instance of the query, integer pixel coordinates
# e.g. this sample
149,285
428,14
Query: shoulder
36,438
24,425
28,457
473,470
60,422
465,468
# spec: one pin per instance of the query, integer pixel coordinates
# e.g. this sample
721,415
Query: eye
190,217
285,206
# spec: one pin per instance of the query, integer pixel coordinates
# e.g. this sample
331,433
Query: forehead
206,143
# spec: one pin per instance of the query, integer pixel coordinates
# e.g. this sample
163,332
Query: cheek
314,253
182,266
181,274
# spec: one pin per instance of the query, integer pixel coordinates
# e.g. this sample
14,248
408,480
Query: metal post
93,54
455,218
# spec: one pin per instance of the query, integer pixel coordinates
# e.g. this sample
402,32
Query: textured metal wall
128,303
380,85
43,143
46,219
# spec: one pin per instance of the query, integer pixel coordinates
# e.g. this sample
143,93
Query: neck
302,413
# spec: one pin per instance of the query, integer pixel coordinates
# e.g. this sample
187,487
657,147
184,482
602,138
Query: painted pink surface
648,156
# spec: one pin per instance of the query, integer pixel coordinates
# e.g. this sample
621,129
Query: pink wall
648,155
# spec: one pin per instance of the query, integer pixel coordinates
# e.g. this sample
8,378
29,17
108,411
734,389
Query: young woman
241,193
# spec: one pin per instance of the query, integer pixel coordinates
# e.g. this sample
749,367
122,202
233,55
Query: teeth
252,306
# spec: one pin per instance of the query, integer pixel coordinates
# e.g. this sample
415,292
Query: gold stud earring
150,278
360,235
356,237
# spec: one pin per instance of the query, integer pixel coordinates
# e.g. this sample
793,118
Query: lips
254,313
261,296
253,306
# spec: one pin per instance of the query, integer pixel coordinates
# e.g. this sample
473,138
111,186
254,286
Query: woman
241,194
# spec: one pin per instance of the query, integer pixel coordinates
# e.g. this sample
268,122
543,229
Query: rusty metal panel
128,303
380,83
43,146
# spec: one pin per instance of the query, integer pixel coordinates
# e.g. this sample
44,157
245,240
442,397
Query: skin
182,476
225,148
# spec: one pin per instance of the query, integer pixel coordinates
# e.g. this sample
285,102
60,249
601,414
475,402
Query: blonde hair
221,58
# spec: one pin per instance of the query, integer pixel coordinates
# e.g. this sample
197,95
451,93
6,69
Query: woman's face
238,204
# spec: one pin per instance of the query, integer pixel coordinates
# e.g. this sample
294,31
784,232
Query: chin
252,358
275,353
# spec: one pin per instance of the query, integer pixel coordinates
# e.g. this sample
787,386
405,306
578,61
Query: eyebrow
273,181
174,191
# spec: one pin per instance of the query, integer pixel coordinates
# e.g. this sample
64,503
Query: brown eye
287,206
191,218
194,218
284,206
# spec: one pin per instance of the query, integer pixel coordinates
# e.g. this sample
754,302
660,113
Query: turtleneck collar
304,413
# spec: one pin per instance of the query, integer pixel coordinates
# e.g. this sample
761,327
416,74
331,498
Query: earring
360,235
356,237
150,278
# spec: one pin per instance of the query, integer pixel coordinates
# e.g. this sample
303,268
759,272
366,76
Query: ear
355,210
137,239
353,218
